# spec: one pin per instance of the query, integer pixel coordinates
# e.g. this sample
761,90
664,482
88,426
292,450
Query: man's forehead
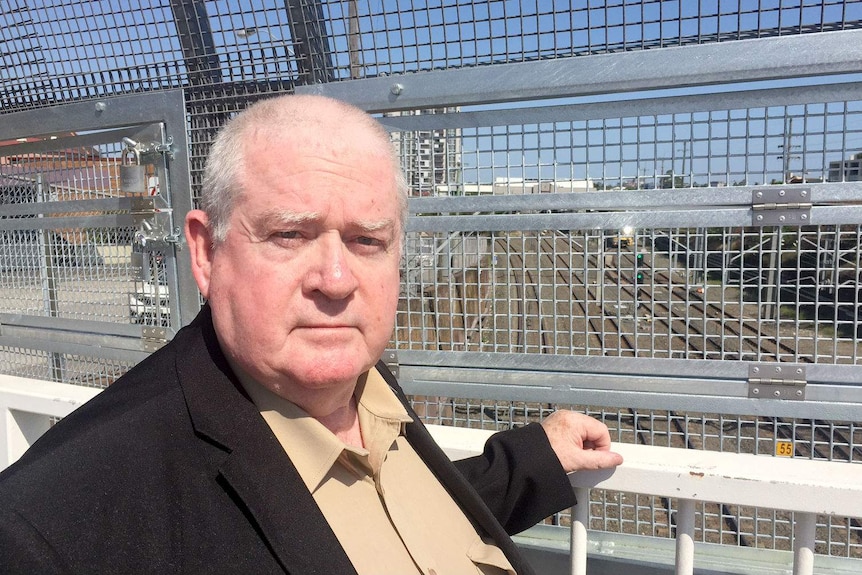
327,135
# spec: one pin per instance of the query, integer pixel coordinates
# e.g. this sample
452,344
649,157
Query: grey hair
223,180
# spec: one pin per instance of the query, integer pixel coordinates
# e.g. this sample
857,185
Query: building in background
431,159
846,170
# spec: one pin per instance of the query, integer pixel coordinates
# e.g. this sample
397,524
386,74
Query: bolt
101,106
759,218
759,194
804,193
396,89
798,393
756,370
780,218
755,391
776,393
781,193
804,216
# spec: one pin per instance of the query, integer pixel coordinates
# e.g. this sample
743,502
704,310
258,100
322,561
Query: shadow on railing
807,488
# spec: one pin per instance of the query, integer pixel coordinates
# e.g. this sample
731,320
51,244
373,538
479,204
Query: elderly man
266,437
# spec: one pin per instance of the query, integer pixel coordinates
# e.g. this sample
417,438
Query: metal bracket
166,148
780,206
776,381
144,207
152,221
153,338
390,358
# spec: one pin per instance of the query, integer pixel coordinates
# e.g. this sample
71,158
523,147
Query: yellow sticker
784,448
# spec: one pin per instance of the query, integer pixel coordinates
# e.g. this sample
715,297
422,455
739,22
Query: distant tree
670,181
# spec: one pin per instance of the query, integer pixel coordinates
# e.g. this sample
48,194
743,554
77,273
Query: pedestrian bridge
648,211
807,488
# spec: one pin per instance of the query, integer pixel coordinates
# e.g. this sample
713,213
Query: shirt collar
310,446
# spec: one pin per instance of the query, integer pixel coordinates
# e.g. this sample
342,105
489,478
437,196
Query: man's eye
366,241
287,235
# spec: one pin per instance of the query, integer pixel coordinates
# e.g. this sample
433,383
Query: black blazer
172,470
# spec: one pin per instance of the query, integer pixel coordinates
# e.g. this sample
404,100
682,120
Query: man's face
304,288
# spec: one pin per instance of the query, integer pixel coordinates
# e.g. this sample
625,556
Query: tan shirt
387,509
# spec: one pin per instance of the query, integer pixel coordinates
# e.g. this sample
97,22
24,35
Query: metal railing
27,409
573,121
807,488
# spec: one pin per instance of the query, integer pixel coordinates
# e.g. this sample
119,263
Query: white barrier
27,407
806,487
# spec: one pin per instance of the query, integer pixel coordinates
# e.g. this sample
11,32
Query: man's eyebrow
280,218
374,225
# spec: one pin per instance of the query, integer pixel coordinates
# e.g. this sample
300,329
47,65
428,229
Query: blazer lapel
255,468
286,516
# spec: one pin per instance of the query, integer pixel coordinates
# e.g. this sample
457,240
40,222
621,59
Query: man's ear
200,244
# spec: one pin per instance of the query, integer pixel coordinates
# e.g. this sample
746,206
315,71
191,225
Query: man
266,437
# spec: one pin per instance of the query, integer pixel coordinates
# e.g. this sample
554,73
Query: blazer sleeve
519,477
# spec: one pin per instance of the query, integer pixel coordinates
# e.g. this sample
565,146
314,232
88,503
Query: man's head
297,246
223,176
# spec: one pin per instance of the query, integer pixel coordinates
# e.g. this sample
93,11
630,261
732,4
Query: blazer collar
254,468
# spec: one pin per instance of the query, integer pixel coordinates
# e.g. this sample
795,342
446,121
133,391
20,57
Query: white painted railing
805,487
27,407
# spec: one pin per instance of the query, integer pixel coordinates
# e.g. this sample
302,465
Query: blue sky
83,48
77,36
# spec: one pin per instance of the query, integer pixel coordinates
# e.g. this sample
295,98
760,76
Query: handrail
27,407
805,487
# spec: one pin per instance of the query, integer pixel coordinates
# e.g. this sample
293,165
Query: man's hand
580,441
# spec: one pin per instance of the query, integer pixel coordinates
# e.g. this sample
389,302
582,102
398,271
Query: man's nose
330,271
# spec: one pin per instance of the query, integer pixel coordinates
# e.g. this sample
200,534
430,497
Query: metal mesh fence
741,293
63,50
706,291
728,147
83,370
583,293
67,270
45,274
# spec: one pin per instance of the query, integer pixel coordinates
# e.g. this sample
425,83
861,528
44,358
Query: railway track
548,279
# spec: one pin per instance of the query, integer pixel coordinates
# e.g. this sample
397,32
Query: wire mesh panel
226,52
699,289
708,291
599,262
88,282
583,293
75,272
73,269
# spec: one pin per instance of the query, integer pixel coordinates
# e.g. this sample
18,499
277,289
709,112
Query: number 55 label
784,449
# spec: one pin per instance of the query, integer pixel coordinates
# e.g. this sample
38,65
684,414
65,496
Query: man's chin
332,370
